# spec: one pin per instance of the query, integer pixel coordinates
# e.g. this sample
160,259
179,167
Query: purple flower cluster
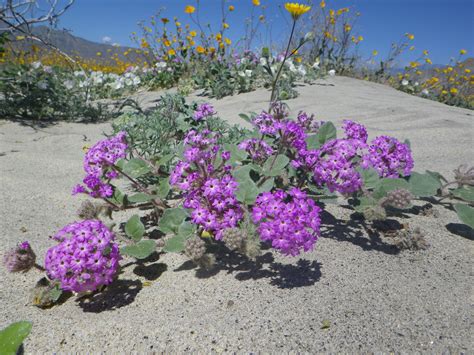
258,149
266,123
308,123
86,257
388,157
209,189
293,135
203,111
355,131
335,165
98,163
290,221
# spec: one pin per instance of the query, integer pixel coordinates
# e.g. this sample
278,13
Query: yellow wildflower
231,8
360,38
375,52
449,69
428,61
193,33
462,51
261,18
444,92
164,20
425,52
296,10
410,36
467,71
298,59
189,9
99,54
256,2
347,28
218,37
225,25
200,49
167,43
322,4
171,52
414,64
453,91
228,41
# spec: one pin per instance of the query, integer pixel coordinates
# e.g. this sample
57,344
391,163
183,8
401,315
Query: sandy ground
376,298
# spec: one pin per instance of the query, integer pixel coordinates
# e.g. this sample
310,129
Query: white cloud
106,39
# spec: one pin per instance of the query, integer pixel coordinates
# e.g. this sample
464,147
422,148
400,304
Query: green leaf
236,154
465,193
171,219
186,229
163,189
242,173
325,324
245,117
423,185
267,185
140,197
164,159
326,132
55,293
134,228
175,244
247,192
465,214
136,168
365,202
118,197
370,177
437,175
141,250
385,185
312,141
13,336
279,164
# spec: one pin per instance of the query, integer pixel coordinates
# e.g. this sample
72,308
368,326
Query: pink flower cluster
208,186
203,111
388,157
258,149
290,221
85,258
98,163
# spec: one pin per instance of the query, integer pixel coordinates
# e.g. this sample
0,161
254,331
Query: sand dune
375,298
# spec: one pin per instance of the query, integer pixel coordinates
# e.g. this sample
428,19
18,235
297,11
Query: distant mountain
74,45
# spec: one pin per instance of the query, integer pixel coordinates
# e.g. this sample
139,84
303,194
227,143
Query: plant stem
272,97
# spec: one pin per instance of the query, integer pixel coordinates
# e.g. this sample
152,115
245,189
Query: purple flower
203,111
208,190
86,257
388,157
98,163
289,221
355,131
258,149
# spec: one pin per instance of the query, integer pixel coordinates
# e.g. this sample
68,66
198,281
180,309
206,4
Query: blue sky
441,26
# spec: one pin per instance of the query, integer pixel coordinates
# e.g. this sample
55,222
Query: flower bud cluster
203,111
388,157
208,186
20,258
290,221
258,149
195,248
98,163
85,258
399,198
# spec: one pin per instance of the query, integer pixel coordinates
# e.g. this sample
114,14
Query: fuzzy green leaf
247,192
312,141
186,229
465,214
142,250
370,177
326,132
242,173
175,244
140,197
163,189
136,168
134,228
119,197
171,220
267,185
274,166
423,185
236,154
13,336
465,193
385,185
